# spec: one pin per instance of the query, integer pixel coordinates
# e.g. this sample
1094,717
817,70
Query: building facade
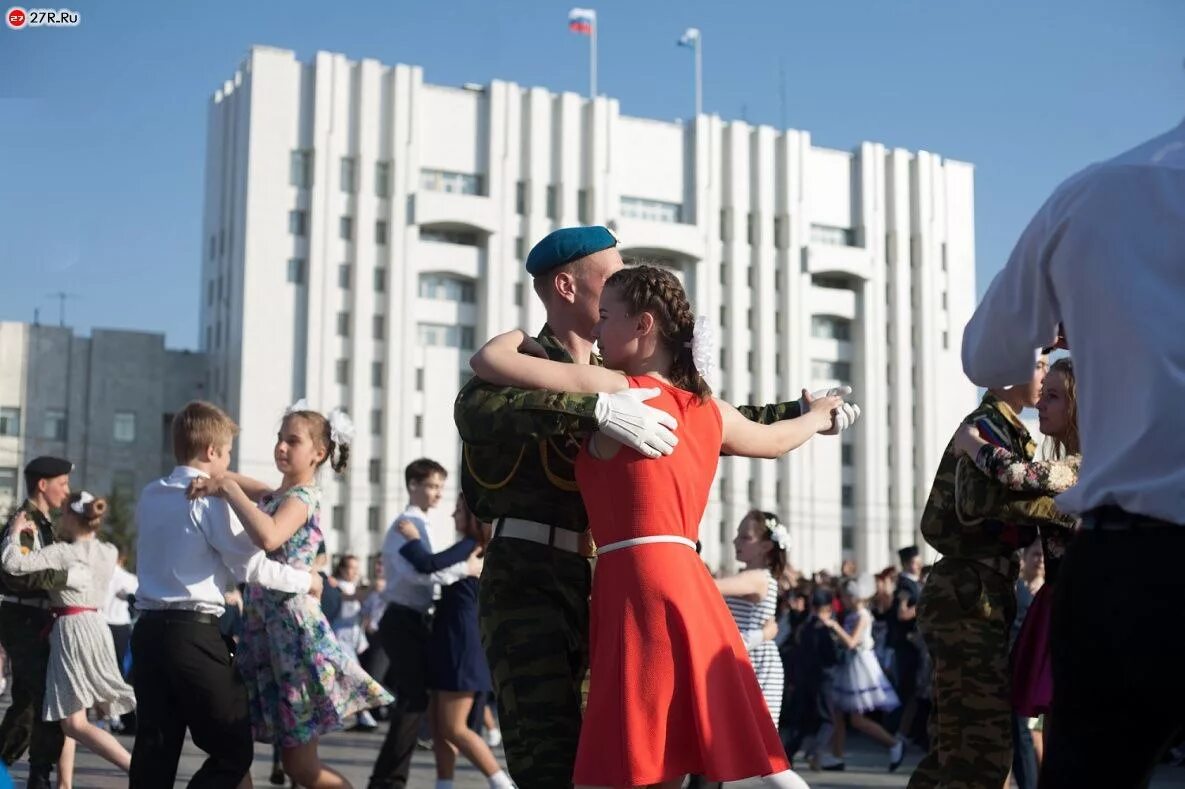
104,402
364,231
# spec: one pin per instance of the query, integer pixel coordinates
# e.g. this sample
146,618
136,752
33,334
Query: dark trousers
1118,688
1024,754
404,634
21,629
185,677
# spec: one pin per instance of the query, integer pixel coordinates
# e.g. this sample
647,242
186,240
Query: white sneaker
896,755
494,738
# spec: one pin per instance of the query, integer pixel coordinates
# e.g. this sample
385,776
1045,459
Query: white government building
364,231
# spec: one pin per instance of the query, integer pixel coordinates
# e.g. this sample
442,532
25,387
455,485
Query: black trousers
185,678
22,729
404,634
1118,646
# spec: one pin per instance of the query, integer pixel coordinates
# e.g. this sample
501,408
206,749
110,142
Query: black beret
45,467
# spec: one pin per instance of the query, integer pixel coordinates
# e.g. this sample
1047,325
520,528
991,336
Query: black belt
1112,518
180,615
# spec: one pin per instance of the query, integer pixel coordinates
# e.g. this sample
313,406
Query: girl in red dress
671,689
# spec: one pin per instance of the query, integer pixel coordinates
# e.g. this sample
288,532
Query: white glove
845,416
624,417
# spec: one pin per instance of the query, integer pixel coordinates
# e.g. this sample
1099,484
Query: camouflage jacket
519,446
33,584
973,516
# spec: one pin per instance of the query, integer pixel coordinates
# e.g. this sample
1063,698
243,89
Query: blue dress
456,661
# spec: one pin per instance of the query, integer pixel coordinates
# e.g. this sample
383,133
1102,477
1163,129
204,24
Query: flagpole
699,76
592,57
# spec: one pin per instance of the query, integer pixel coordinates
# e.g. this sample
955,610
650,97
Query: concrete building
365,230
104,402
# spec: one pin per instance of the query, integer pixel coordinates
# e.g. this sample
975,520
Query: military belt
31,602
533,531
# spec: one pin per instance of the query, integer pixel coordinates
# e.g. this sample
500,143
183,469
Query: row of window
298,225
301,173
53,427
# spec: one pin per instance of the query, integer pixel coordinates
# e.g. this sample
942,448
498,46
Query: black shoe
838,767
277,777
38,779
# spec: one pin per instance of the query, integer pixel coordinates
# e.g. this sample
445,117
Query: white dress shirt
123,583
1105,256
189,552
405,585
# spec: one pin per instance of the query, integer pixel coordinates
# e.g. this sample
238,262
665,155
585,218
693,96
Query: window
752,231
446,181
378,327
211,246
345,228
749,275
723,360
831,371
848,537
375,471
380,280
583,207
382,179
442,336
723,315
300,169
298,223
847,496
343,324
749,318
342,373
7,482
209,293
831,281
944,299
349,166
518,294
553,202
343,275
218,334
372,520
10,421
376,375
463,237
752,490
418,427
443,287
296,271
749,361
781,236
726,224
339,517
54,428
830,327
651,210
376,421
846,454
520,248
125,427
944,256
380,233
520,197
777,280
419,379
835,236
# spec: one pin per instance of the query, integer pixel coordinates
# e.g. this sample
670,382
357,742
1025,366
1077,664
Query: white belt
617,546
541,533
31,602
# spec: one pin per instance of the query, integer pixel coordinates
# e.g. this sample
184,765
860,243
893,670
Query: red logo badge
16,17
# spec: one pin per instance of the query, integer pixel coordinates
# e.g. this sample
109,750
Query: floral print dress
300,683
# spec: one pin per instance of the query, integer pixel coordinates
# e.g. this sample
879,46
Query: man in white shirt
1105,259
406,625
188,553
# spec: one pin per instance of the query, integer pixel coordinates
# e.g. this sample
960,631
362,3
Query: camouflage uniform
519,457
967,607
21,633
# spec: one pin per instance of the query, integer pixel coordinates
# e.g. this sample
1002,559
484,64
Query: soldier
518,472
967,604
24,617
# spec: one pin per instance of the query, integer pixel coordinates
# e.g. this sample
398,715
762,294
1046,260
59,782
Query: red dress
671,690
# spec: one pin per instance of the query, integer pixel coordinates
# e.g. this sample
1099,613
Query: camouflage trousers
533,611
23,729
965,613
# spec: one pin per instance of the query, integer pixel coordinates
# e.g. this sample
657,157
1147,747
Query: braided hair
655,290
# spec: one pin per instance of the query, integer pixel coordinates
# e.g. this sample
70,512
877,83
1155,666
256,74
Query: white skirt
861,685
82,672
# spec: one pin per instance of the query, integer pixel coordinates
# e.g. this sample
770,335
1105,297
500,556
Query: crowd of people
652,669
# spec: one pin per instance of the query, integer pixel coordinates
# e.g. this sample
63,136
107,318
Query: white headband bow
79,507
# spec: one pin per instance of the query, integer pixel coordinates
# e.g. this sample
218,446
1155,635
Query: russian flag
582,20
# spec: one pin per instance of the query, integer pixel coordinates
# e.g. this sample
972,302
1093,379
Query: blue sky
103,125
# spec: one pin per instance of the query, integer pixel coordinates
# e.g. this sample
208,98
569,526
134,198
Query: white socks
500,780
787,779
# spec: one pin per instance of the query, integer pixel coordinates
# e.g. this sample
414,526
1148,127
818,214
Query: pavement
353,754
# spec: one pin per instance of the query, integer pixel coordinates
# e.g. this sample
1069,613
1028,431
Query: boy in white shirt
188,552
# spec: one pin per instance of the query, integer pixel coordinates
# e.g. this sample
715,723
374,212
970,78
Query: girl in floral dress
300,682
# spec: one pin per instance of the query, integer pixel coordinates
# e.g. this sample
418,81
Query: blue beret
46,467
568,244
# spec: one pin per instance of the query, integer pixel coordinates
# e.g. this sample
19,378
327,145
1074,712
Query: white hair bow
79,507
